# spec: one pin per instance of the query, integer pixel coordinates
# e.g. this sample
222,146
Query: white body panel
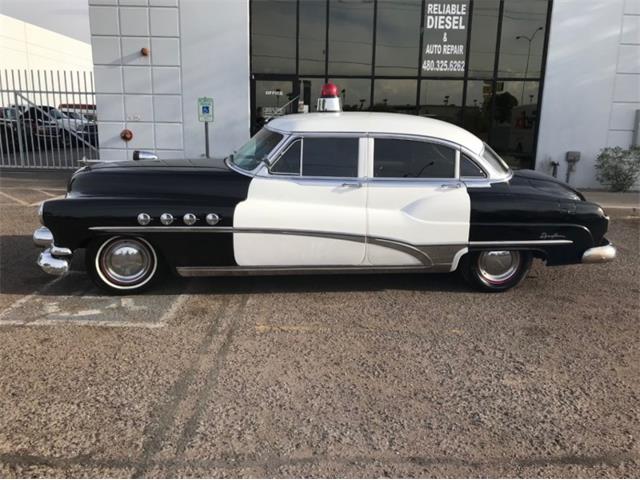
307,205
417,213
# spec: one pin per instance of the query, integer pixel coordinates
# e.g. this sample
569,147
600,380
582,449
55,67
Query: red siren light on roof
329,90
329,100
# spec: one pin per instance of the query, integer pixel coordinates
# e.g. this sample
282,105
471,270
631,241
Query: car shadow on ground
21,276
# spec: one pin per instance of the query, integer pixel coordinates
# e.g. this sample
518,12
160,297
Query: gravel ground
352,376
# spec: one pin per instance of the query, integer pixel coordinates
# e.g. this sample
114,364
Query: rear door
308,209
417,208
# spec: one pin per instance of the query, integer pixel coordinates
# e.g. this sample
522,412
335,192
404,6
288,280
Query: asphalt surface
349,376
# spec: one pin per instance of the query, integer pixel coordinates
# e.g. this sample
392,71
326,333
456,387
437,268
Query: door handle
351,184
450,186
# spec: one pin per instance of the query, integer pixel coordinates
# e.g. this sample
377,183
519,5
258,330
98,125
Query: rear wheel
496,270
122,265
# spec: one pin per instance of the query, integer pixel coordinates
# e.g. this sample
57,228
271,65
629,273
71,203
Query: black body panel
536,207
114,194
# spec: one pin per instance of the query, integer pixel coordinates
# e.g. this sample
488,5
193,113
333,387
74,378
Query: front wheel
495,270
122,265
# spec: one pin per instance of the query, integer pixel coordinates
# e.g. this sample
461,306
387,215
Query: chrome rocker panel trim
601,254
302,270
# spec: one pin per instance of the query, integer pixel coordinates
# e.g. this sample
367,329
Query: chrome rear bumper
601,254
53,260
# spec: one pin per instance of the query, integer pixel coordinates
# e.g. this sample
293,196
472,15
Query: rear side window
395,158
469,168
330,157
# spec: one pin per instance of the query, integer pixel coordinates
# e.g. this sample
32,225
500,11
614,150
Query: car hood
544,183
157,179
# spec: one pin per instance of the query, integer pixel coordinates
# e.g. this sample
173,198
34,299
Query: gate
47,119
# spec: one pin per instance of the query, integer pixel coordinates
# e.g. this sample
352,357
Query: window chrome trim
281,154
414,138
264,170
274,151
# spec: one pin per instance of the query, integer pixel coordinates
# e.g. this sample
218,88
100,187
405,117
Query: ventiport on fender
325,192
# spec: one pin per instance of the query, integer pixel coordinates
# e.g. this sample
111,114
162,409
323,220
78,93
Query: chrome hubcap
497,267
126,261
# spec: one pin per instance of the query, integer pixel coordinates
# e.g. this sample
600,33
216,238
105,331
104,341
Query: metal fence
47,118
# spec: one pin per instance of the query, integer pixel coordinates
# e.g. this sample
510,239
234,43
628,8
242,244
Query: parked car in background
87,110
8,129
46,126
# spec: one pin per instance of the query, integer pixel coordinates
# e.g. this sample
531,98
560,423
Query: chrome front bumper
601,254
53,260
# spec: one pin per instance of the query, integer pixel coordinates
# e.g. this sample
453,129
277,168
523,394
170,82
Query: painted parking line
15,199
73,301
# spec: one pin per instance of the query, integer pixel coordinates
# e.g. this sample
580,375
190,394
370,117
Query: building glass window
313,35
484,34
395,96
350,37
522,39
513,124
397,37
477,110
273,36
464,66
442,99
355,93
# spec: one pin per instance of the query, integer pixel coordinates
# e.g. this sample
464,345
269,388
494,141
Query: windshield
258,146
494,159
54,113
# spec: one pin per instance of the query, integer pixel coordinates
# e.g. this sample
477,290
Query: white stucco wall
215,63
592,83
24,46
197,48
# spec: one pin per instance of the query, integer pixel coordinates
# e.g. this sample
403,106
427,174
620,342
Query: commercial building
534,78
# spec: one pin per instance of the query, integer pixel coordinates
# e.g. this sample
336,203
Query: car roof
376,122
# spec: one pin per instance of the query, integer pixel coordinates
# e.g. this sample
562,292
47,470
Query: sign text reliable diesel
448,16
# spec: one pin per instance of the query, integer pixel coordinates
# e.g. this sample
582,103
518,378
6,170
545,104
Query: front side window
289,162
256,149
395,158
330,157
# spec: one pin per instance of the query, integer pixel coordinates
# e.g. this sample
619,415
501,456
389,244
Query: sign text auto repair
445,36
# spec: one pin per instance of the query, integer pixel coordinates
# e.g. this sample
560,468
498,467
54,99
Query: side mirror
144,155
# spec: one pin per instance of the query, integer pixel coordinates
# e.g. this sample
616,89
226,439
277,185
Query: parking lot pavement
345,376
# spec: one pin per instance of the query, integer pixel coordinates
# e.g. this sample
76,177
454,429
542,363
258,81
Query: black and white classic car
328,192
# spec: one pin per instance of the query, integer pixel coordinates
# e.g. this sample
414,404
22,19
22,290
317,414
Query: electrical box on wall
636,130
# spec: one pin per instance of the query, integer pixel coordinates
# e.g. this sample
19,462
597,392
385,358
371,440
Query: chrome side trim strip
304,270
444,254
521,242
154,228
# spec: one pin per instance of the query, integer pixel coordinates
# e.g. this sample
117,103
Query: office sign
445,37
205,109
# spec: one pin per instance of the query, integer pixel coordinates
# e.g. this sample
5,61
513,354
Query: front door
308,209
272,97
418,210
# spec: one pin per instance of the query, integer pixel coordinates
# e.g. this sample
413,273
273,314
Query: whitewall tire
122,265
